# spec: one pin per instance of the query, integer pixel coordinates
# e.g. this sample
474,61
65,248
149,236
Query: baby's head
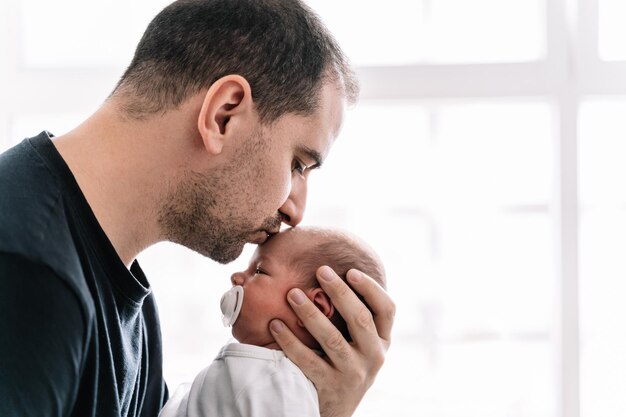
288,260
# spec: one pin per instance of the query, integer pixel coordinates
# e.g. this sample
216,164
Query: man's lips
273,231
261,236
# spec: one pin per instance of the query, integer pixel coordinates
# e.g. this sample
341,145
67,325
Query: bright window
82,33
484,162
402,32
612,14
602,264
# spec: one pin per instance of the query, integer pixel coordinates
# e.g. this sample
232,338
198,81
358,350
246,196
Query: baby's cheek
254,311
273,307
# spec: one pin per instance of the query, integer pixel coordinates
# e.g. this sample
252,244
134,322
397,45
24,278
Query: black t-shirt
79,332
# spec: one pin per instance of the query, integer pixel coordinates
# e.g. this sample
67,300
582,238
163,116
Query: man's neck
124,169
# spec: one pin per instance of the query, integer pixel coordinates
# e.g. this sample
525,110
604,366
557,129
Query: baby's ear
322,301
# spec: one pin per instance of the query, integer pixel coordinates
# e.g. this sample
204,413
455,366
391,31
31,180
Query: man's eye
298,166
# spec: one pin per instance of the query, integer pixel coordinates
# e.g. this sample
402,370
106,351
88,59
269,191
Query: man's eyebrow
312,154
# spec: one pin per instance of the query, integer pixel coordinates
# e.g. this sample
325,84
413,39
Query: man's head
279,46
290,259
261,86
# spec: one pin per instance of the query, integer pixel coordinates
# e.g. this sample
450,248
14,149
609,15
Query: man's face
266,281
260,183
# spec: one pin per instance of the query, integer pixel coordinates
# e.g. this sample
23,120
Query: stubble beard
201,212
191,217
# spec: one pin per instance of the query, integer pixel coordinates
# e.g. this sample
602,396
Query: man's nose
237,278
293,208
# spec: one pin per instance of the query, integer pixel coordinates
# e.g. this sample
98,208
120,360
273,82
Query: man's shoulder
29,193
34,221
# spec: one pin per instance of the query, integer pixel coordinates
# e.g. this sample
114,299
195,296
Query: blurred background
484,162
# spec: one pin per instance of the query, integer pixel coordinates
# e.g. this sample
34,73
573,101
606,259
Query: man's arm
41,340
348,370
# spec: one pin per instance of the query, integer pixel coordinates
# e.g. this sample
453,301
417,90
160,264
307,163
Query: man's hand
348,370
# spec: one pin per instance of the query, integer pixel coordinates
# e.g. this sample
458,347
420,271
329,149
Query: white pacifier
231,305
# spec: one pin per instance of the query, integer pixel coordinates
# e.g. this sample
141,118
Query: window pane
376,33
611,30
602,312
493,266
83,33
398,32
602,263
380,158
459,154
487,31
494,153
482,378
602,151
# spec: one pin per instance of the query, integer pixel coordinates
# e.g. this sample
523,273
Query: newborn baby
253,377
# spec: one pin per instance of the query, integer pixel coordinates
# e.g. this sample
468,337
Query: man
208,141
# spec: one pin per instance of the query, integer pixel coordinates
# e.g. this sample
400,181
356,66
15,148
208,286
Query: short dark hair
341,251
280,47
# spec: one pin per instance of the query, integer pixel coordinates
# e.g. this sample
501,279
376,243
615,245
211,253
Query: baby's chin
253,338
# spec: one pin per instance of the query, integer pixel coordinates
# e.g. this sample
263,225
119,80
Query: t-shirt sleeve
42,339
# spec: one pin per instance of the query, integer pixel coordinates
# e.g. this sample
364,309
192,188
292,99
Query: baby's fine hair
341,251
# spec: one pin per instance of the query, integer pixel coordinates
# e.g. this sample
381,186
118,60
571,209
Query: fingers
360,321
383,308
346,372
313,366
321,328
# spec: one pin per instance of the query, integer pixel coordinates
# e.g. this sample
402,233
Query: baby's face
266,282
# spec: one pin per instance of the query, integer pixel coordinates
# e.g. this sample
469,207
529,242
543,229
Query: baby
253,377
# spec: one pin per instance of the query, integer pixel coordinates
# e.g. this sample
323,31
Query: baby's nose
237,278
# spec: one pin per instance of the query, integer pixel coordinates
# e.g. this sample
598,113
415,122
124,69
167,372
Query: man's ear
321,301
228,97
